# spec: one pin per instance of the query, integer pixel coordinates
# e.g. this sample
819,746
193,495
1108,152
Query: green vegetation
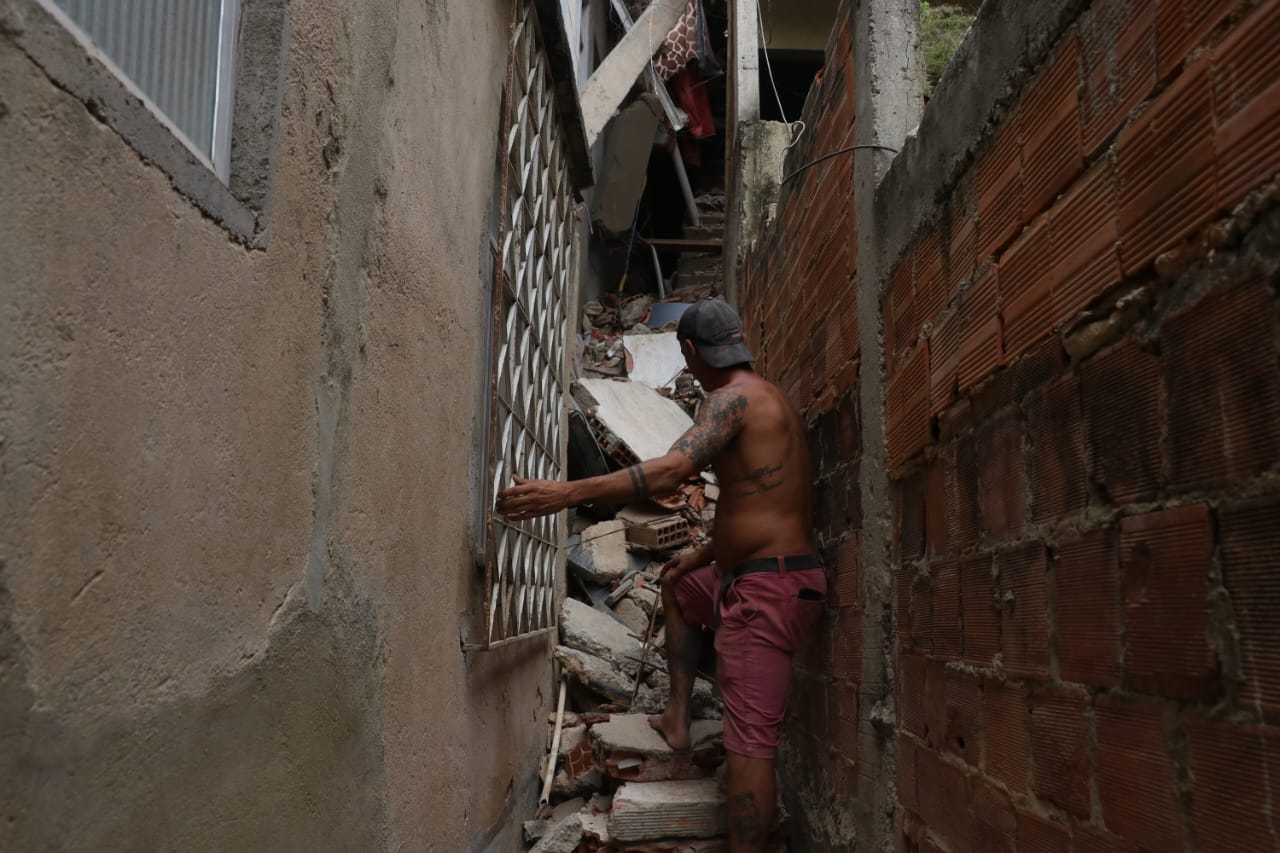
942,28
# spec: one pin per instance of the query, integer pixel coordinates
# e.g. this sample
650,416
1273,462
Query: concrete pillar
746,60
888,100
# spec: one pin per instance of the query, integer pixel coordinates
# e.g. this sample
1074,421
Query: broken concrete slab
571,737
644,811
632,421
600,555
596,674
535,829
596,825
628,141
656,358
563,837
632,616
646,598
629,750
588,630
568,807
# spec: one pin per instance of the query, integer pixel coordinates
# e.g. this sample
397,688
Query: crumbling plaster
231,583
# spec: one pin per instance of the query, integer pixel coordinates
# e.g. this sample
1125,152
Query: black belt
779,565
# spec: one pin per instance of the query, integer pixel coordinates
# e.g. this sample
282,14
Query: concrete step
628,749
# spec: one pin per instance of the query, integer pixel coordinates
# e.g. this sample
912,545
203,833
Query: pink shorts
764,620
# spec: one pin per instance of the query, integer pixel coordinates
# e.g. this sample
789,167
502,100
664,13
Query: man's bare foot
674,729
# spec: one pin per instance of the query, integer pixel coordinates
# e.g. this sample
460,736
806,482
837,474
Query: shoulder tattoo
718,421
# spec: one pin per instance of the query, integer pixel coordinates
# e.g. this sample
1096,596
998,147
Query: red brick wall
797,298
1083,407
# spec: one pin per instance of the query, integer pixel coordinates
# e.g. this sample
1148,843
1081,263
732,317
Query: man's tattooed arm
719,420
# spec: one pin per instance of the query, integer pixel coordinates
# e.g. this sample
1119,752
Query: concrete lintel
614,78
1008,40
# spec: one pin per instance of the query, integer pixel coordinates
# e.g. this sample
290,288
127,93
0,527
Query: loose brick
1003,482
1118,51
1166,165
978,604
1060,748
1005,718
1182,25
1165,559
1136,779
1038,835
1122,408
1234,768
1224,388
945,594
1059,479
954,701
1083,235
1024,628
999,191
1250,544
1087,609
1246,103
1049,121
944,797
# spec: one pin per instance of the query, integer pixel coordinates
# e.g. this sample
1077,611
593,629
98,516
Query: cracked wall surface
231,585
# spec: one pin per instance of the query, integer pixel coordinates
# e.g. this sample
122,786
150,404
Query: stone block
644,811
563,837
628,749
600,557
586,629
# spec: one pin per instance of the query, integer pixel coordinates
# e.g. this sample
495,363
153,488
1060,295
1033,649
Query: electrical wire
773,84
826,157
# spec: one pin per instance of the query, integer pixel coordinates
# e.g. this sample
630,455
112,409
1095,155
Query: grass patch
942,28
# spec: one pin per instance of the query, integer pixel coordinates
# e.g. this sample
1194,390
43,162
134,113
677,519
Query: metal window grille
179,55
531,287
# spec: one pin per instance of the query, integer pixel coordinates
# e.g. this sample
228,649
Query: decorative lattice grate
533,274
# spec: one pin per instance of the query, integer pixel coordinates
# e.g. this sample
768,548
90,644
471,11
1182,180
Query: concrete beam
614,78
746,60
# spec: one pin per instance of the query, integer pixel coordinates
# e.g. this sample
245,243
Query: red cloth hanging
689,90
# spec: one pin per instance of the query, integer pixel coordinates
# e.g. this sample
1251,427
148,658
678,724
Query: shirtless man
758,582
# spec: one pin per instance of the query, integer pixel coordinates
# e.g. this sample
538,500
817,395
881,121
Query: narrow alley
345,348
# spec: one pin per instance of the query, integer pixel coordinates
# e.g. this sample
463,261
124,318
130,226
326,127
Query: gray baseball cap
716,329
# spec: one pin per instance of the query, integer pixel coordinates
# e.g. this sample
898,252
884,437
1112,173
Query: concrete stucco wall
234,551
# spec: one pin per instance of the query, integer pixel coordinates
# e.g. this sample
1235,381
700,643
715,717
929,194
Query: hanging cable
826,157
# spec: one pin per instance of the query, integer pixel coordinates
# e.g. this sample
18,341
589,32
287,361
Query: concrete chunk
601,556
596,674
644,811
628,749
632,616
588,630
561,838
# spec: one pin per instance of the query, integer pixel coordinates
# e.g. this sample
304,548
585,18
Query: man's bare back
765,503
